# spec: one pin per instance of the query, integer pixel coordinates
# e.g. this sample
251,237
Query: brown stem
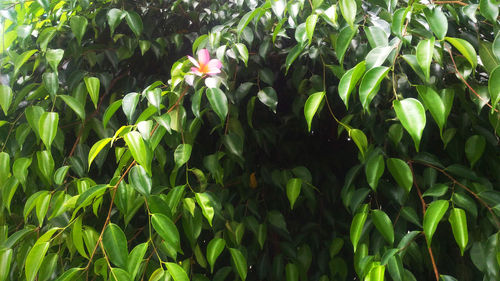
451,2
436,273
467,84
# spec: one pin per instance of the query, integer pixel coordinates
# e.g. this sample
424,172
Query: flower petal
203,56
193,61
195,71
215,63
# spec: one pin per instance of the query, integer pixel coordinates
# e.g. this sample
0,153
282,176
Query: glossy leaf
348,9
140,180
465,48
401,172
384,225
34,259
114,17
167,230
135,259
240,262
458,221
182,154
115,244
205,201
5,262
370,84
349,80
435,104
360,139
425,51
177,272
311,106
310,26
411,114
474,148
433,215
293,54
489,9
75,105
269,98
78,26
134,21
374,168
139,149
218,101
96,148
437,21
293,188
494,86
344,40
214,249
129,105
93,85
47,126
54,57
357,227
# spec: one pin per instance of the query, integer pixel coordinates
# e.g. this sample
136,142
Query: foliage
341,139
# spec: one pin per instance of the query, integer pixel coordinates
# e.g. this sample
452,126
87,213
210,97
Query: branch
451,2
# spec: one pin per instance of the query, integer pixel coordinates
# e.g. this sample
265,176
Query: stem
451,2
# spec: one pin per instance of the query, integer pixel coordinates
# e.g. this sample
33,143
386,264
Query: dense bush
341,140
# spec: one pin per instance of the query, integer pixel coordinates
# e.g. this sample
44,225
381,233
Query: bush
324,140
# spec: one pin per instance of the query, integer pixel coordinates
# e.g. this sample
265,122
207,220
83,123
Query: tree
301,140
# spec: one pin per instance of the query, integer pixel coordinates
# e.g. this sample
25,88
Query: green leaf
9,188
377,273
374,168
19,169
45,164
474,148
47,126
384,225
436,190
370,84
269,98
60,174
167,230
139,149
140,180
278,7
110,111
78,26
135,259
96,148
50,82
245,20
176,271
5,98
54,57
357,227
144,45
348,9
205,201
401,172
411,114
311,106
412,61
218,101
77,237
433,215
70,274
243,51
344,40
129,105
377,56
240,263
310,26
359,139
182,154
494,86
437,21
214,249
291,272
5,262
93,84
20,60
75,105
134,21
115,244
34,259
349,80
114,17
458,222
495,47
45,37
488,58
465,48
489,9
293,54
293,190
435,105
425,50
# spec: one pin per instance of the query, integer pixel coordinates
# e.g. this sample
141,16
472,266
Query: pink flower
204,65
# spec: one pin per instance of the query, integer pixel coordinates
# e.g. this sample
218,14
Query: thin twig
451,2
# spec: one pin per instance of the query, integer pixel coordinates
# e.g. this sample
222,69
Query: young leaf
348,9
115,244
110,111
96,148
474,148
218,101
293,190
435,105
243,51
433,215
177,272
240,262
359,139
93,84
140,180
167,230
60,174
47,126
374,168
129,105
370,84
34,259
357,227
78,26
205,201
425,51
5,98
5,262
458,222
349,80
384,225
50,82
21,59
214,249
311,106
139,149
401,172
182,154
411,113
310,26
